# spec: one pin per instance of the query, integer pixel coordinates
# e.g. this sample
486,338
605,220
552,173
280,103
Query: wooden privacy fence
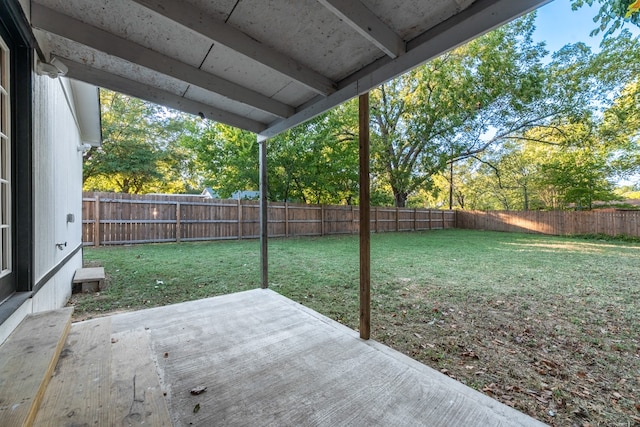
116,219
560,223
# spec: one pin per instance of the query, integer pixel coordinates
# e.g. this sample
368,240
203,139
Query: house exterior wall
57,189
57,192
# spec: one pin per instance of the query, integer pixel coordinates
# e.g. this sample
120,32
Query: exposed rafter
111,81
365,22
72,29
218,31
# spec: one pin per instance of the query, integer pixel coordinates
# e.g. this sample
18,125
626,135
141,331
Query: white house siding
57,189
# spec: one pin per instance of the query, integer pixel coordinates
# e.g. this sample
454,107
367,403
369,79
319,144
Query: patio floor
268,361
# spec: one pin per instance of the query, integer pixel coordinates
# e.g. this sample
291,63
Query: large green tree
139,153
225,157
588,140
612,14
456,106
317,162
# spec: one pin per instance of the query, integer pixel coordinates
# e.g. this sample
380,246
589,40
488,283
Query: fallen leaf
489,388
196,408
417,335
471,354
580,412
114,340
617,395
550,364
198,390
166,354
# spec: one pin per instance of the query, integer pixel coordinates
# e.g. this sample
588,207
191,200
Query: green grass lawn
548,325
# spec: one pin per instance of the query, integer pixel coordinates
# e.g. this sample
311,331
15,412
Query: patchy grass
548,325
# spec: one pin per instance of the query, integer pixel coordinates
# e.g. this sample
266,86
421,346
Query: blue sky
558,25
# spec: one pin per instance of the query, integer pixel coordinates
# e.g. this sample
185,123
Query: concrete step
88,280
27,360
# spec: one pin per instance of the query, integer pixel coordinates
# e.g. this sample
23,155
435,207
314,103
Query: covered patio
263,66
264,360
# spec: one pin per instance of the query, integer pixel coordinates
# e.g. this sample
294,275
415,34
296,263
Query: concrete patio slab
268,361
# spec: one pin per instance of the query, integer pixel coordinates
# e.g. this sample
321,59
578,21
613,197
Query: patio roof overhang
260,65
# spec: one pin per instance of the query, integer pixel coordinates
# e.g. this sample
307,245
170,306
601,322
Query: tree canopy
139,152
612,14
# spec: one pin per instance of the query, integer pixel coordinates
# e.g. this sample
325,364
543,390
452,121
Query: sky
557,25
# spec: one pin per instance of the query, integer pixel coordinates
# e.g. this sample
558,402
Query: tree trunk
400,198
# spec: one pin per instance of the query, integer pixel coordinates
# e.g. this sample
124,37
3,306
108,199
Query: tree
317,162
225,157
588,137
138,150
621,131
444,111
612,15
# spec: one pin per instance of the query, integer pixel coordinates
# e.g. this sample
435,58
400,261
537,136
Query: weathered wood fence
560,223
115,218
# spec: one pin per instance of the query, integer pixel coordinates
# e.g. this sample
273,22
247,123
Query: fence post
96,224
376,218
322,220
178,223
415,219
353,219
397,219
286,219
239,219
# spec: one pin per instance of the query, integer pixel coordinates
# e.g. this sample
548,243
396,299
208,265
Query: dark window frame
16,32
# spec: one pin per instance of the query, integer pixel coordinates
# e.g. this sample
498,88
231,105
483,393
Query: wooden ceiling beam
70,28
366,23
225,34
108,80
